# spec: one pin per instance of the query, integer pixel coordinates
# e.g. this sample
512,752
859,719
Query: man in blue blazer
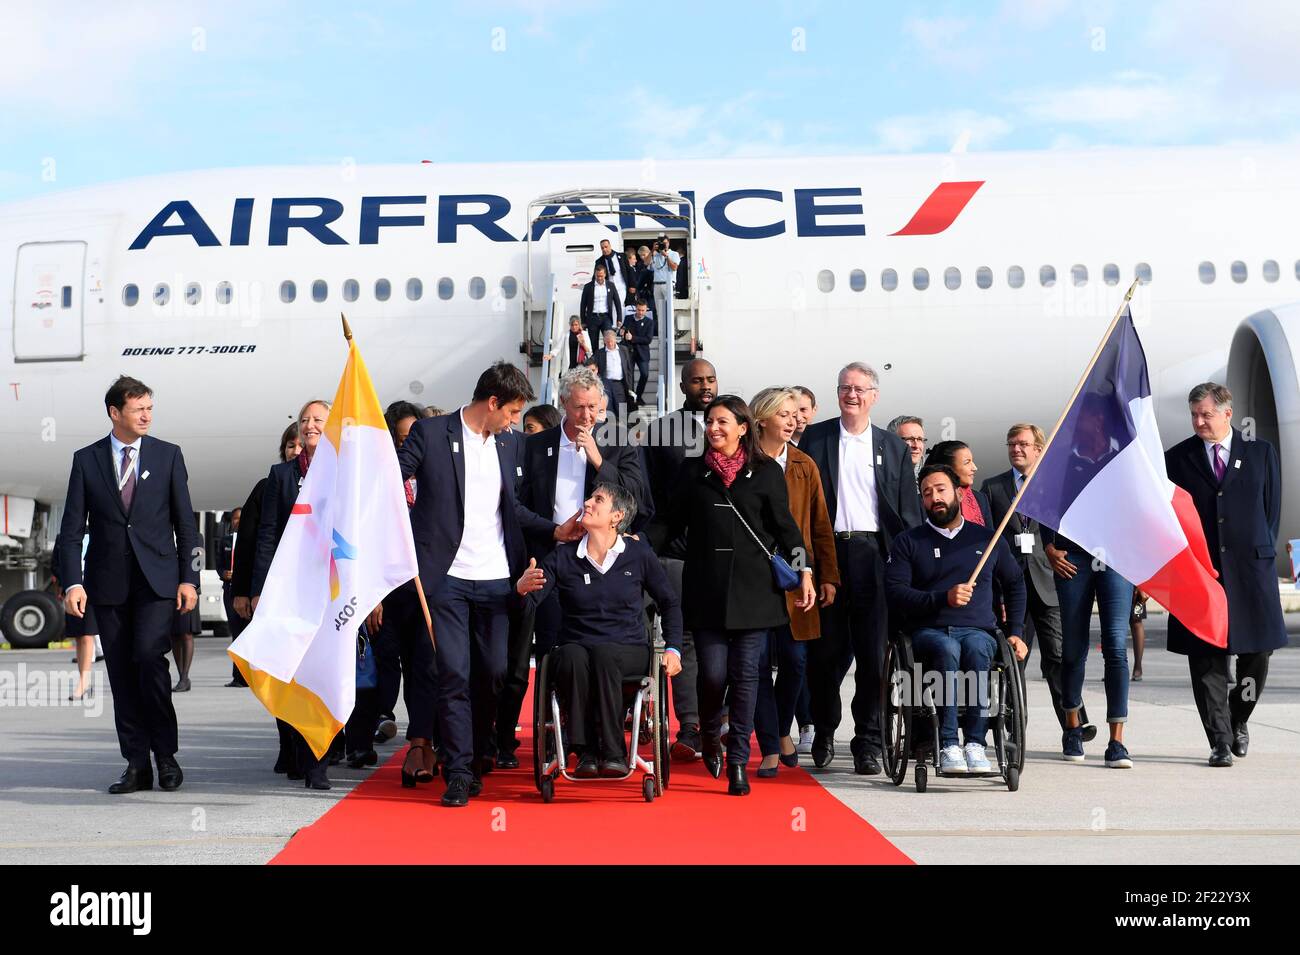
1236,484
639,333
871,495
469,541
142,565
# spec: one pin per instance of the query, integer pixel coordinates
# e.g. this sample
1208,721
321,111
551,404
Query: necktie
410,492
1219,466
126,482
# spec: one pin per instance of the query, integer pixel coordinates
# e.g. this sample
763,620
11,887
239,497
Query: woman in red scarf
957,455
729,598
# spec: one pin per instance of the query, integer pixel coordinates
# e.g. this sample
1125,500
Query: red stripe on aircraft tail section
941,209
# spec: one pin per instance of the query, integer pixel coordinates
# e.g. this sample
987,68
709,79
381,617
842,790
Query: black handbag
785,576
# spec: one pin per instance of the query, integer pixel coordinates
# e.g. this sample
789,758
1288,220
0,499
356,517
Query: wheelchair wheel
921,779
648,788
1019,722
662,743
548,789
543,739
1013,779
895,715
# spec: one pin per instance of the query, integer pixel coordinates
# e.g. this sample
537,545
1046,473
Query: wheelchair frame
649,726
899,718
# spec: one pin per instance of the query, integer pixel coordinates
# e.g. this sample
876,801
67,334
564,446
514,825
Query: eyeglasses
920,441
854,390
1022,444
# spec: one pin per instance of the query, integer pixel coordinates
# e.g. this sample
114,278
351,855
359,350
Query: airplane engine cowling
1262,376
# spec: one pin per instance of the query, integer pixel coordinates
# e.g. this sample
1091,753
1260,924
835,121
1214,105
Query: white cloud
944,40
958,131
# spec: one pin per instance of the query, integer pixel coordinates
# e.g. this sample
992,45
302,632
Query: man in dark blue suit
469,540
639,332
142,565
1236,484
871,495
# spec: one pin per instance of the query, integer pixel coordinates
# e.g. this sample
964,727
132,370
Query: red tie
410,491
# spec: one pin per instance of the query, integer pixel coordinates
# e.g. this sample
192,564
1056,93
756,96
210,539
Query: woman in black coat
729,597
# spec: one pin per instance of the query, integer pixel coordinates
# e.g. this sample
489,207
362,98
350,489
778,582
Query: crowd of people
766,541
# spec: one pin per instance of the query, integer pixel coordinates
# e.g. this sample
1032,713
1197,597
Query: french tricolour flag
1102,484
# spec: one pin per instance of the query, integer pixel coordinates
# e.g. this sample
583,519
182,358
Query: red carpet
790,820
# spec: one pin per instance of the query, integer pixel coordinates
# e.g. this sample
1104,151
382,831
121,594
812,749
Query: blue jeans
950,651
472,626
776,705
728,662
1114,596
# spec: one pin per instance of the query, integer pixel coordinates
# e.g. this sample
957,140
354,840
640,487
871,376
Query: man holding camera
664,263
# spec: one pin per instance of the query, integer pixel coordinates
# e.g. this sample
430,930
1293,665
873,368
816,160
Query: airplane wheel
31,619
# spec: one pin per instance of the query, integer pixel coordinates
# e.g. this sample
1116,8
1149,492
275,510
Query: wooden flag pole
1083,379
347,329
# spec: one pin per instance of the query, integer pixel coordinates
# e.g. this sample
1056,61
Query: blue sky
93,91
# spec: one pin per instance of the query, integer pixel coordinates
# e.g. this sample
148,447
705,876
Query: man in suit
562,466
142,565
616,268
1236,484
912,430
872,498
469,541
600,307
614,365
226,566
1024,536
639,333
670,440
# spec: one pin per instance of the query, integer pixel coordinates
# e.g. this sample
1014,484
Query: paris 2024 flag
1102,483
346,546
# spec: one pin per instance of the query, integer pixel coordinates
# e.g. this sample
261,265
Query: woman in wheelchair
952,622
601,580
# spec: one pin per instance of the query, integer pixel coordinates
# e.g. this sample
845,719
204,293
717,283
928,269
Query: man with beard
951,621
669,441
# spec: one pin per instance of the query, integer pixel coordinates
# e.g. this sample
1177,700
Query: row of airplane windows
952,279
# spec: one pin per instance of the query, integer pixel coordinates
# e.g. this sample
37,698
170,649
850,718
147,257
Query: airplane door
48,301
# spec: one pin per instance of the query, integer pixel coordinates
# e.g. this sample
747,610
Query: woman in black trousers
729,598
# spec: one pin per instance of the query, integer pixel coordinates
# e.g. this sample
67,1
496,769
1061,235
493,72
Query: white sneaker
951,760
805,740
976,760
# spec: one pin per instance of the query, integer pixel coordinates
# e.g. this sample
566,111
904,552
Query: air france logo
77,908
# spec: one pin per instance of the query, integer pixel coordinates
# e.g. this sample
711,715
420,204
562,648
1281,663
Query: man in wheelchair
601,580
951,622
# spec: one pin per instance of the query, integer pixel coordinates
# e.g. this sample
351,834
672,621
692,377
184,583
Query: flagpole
997,535
419,587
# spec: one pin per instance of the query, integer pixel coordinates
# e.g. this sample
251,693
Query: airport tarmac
59,758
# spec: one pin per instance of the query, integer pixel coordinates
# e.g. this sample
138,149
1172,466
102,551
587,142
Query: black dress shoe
361,760
476,786
507,761
865,764
768,772
317,779
823,750
737,781
237,683
613,769
587,768
457,793
1220,756
686,747
169,773
132,780
1240,740
790,759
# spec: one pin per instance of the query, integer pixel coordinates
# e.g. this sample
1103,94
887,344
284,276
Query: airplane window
1142,272
1047,276
984,276
509,287
383,289
1205,272
1110,273
952,277
1015,276
446,288
351,289
477,288
1270,271
130,295
1297,269
161,294
319,290
414,289
825,280
224,293
889,278
65,297
920,279
857,280
1079,274
1238,271
288,291
193,293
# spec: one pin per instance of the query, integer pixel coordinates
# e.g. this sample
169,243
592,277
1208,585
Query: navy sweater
607,608
917,582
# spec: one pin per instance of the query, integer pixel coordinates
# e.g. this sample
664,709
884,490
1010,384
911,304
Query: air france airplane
978,285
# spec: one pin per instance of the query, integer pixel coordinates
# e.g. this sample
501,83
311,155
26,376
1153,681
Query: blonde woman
776,415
